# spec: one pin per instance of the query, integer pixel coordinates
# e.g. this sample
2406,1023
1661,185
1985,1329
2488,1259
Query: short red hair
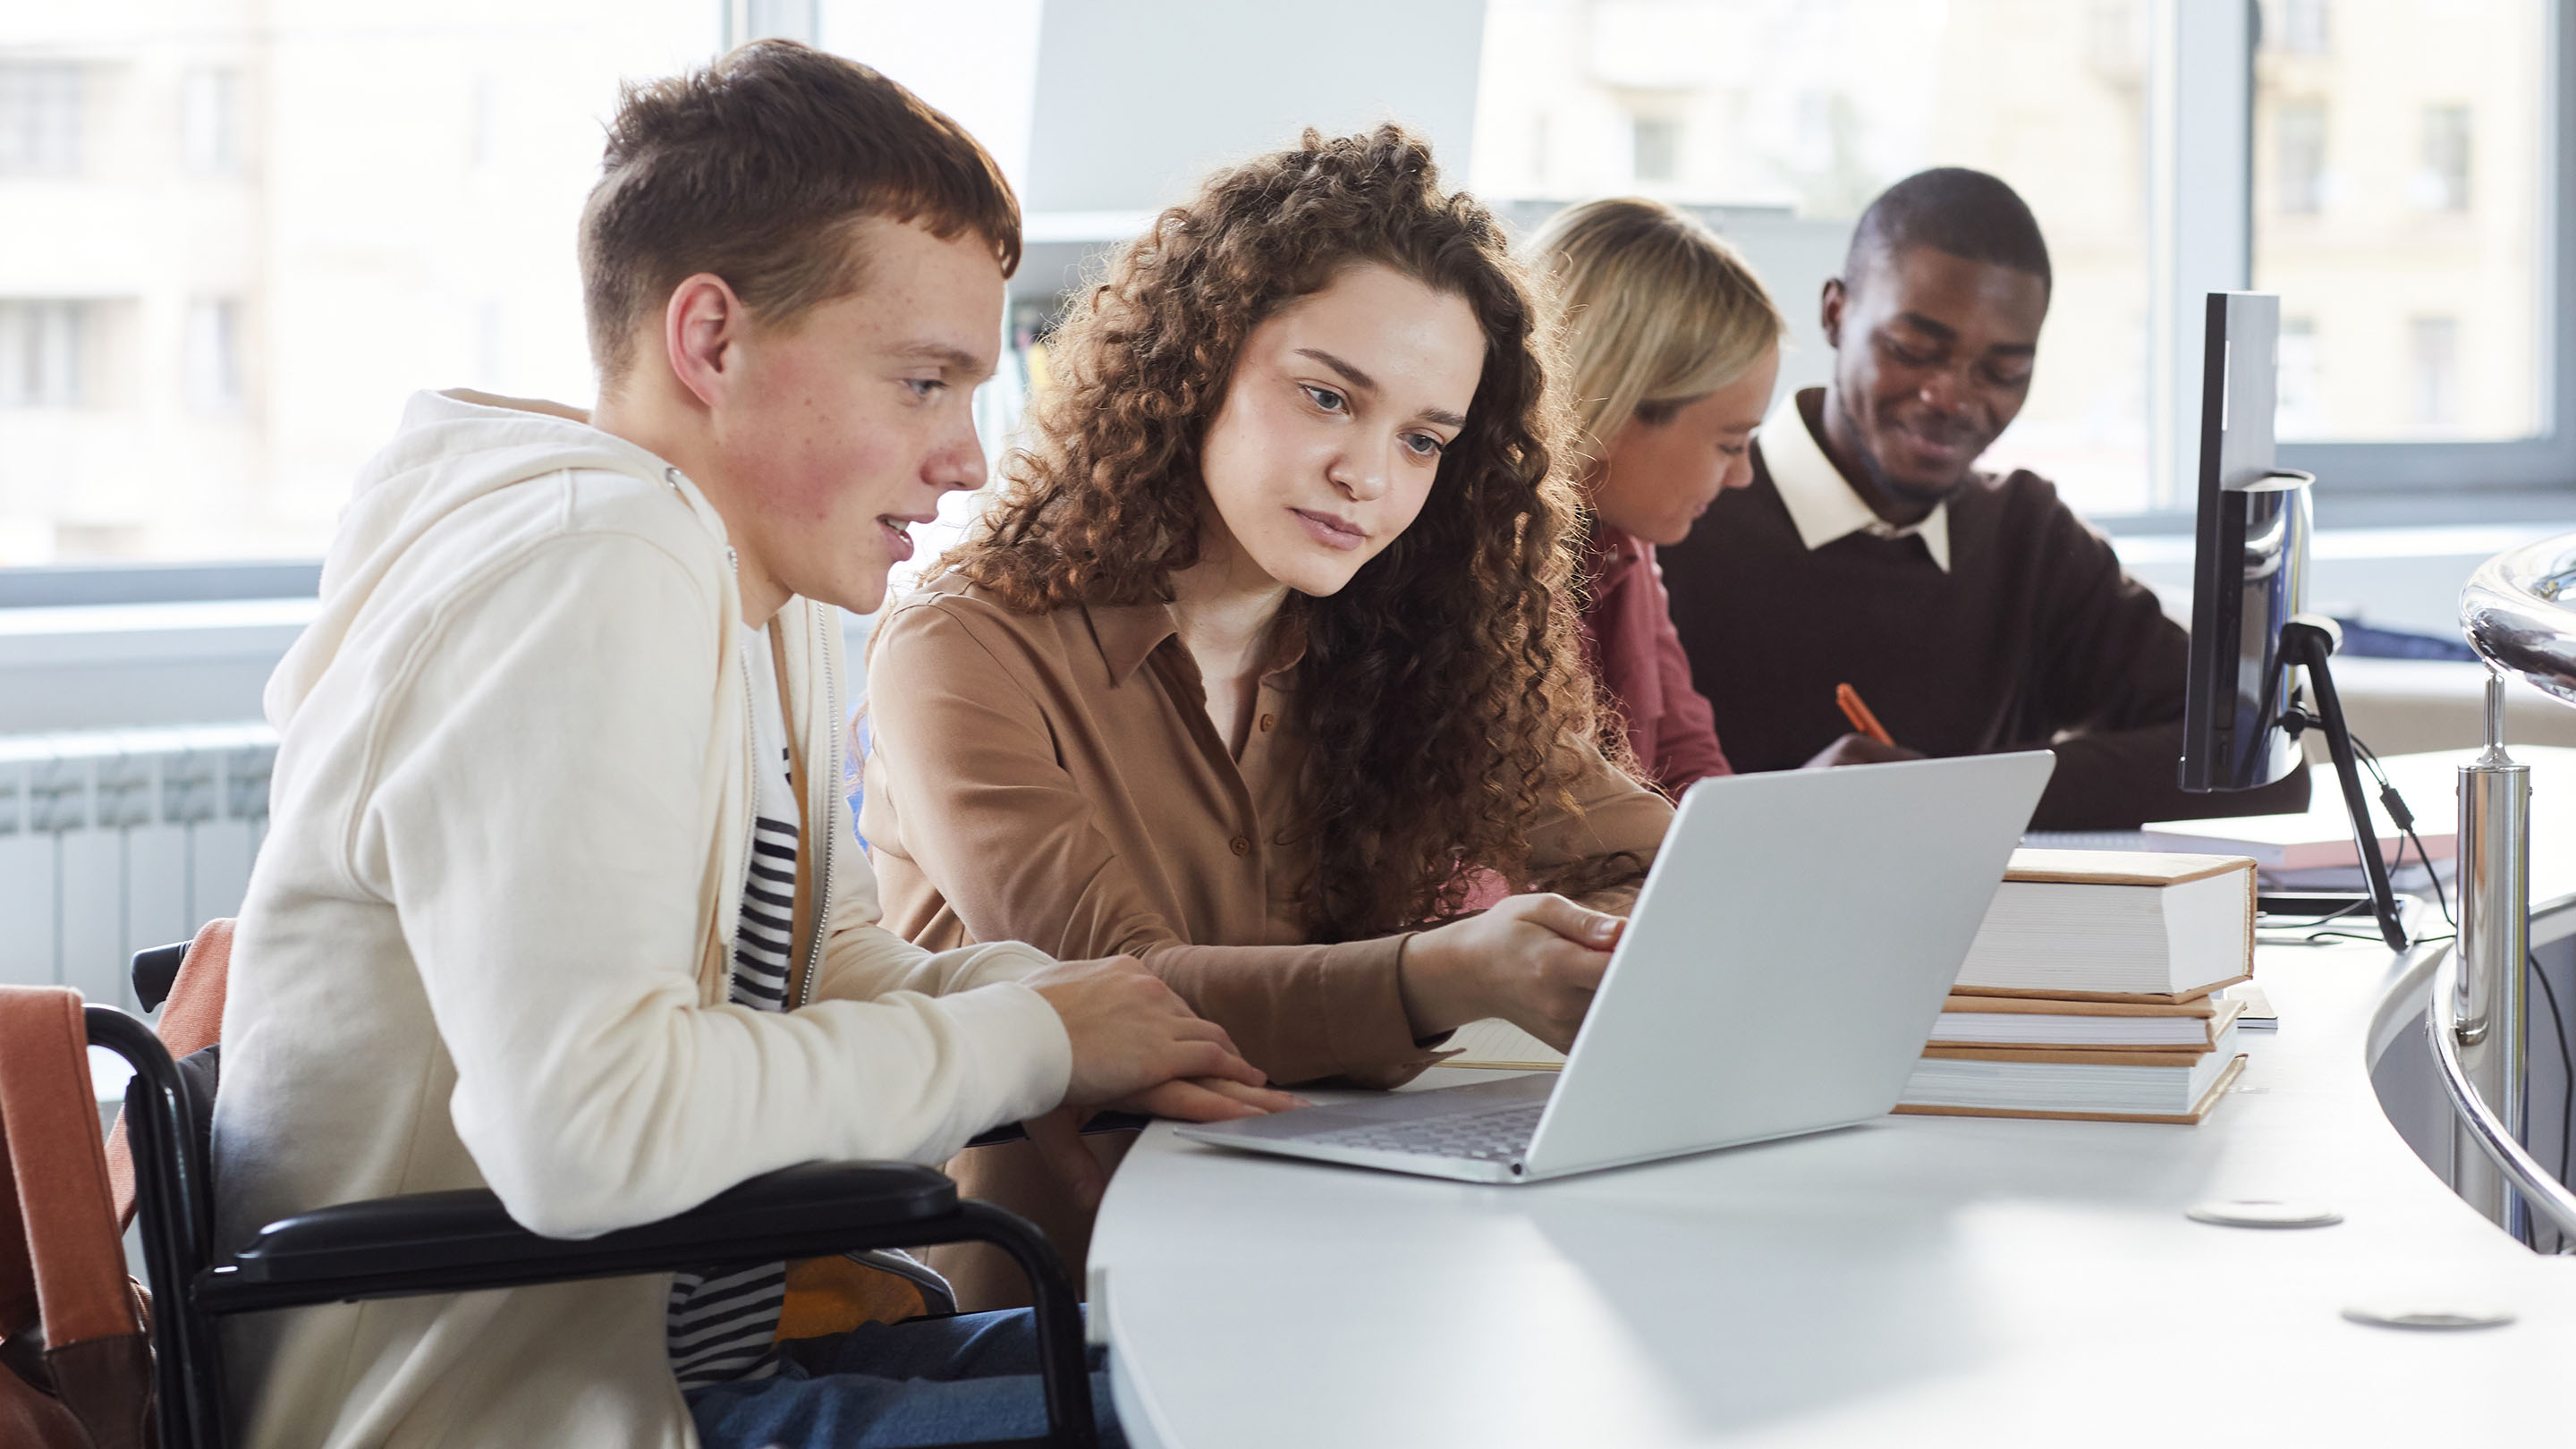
753,169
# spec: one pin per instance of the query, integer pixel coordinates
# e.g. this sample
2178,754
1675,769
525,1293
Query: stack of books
2089,993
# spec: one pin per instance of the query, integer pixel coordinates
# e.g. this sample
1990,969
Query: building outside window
2301,26
1655,148
2299,380
40,118
2430,230
1797,113
2299,141
2443,184
787,19
282,221
42,353
210,120
2114,27
277,224
213,355
398,199
2434,353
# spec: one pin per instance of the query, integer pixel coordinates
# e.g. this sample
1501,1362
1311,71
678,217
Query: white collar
1821,502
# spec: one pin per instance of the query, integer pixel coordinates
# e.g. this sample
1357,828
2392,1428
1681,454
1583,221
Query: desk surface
1911,1281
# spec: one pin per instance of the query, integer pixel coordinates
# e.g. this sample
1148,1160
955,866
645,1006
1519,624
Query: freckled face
1334,423
852,421
1661,475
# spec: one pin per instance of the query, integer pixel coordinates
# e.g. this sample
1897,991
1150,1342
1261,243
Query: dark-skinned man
1974,612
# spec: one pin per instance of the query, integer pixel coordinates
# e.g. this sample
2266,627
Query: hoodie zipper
802,988
750,780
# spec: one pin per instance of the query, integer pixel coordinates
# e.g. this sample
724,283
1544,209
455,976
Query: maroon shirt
1637,659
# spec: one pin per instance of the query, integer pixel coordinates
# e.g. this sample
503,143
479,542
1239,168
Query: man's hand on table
1859,750
1137,1046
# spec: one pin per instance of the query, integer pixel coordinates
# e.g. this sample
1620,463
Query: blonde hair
1656,311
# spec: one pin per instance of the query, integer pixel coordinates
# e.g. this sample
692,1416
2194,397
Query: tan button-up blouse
1055,779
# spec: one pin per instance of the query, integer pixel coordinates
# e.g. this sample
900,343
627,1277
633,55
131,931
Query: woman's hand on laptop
1133,1035
1533,960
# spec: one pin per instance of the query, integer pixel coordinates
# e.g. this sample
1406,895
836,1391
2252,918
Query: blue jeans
924,1381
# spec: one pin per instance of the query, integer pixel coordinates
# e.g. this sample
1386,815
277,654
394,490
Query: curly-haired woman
1673,348
1266,659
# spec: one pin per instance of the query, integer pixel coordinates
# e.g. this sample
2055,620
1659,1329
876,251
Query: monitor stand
2310,641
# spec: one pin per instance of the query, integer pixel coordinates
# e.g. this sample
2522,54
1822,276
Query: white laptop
1780,974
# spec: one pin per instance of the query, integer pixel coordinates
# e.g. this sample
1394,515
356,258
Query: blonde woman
1673,347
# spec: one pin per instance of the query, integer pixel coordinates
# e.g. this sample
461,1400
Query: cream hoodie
485,944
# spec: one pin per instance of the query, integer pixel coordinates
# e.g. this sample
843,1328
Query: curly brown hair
1441,690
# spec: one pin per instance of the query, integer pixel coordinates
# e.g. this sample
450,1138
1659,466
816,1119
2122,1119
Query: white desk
1914,1281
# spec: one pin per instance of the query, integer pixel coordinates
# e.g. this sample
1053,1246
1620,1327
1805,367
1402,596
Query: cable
2321,917
2298,719
2308,930
2395,805
2566,1062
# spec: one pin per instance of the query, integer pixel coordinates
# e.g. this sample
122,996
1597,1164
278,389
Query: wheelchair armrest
156,970
456,1242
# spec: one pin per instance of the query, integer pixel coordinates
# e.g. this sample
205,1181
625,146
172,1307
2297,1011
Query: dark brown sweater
2034,637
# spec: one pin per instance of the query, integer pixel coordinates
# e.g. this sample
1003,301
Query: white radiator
118,840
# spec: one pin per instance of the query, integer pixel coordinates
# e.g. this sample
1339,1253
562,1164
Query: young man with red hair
560,895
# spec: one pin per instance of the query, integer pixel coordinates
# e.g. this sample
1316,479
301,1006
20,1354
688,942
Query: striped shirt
721,1323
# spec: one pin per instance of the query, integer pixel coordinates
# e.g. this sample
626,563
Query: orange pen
1858,713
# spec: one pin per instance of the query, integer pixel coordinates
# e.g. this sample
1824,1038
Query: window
1798,112
754,19
213,355
210,127
2434,358
2443,183
1655,148
40,118
268,329
2299,385
303,221
2299,142
42,352
2115,37
2419,258
2303,26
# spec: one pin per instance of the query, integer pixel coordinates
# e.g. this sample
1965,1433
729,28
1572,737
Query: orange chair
75,1356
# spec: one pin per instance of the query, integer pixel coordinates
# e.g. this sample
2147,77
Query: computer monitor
2243,711
2250,575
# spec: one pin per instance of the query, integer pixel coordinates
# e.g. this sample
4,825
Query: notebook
2309,842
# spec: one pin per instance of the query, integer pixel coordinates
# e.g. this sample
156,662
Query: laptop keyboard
1496,1136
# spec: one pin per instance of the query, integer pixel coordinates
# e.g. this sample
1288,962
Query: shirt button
1239,846
1267,721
